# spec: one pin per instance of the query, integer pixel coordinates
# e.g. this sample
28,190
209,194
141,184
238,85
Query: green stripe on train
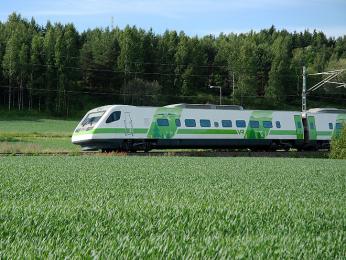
283,132
324,133
112,131
231,131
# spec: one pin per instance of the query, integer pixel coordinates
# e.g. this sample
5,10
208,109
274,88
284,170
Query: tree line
56,69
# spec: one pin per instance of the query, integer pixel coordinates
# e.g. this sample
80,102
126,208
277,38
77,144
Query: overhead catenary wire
56,66
120,71
226,76
154,95
128,94
207,65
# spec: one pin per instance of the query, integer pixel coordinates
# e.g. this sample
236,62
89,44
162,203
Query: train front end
84,134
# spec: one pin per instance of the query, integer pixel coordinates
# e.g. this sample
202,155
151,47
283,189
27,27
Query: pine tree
10,66
37,70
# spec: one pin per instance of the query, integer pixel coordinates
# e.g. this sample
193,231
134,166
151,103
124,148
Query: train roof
206,106
327,110
103,108
213,107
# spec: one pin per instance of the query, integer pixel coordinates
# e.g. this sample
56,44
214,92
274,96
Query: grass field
36,135
158,207
36,126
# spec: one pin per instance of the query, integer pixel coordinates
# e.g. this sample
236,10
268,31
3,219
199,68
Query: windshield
92,118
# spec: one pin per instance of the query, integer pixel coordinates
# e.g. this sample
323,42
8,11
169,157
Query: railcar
320,125
123,127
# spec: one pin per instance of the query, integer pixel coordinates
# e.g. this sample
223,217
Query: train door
306,130
300,129
312,128
128,124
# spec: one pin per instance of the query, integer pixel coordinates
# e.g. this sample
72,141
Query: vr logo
240,132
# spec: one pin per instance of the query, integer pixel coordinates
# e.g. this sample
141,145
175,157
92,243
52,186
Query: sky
194,17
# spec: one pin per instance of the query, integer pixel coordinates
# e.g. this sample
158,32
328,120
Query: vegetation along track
290,154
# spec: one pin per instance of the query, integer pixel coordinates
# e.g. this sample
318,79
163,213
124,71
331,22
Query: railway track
292,154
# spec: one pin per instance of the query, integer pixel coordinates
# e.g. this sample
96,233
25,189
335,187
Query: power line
128,94
177,65
208,65
121,71
226,76
331,76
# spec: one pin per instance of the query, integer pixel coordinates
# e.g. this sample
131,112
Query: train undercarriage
134,145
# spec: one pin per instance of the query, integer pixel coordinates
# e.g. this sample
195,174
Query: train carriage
121,127
321,124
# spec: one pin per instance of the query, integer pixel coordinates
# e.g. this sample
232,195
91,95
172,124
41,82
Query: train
205,126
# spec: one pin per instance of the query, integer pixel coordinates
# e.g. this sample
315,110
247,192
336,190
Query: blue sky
195,17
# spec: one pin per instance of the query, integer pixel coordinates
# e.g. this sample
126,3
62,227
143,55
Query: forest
60,71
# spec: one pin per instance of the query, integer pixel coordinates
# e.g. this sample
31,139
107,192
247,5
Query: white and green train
122,127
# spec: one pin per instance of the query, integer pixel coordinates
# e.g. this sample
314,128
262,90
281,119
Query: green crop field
172,207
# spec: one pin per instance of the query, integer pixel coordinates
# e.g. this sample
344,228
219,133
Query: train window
299,125
115,116
330,125
226,123
240,123
190,123
278,124
267,124
254,124
162,122
177,122
312,125
204,123
92,118
338,126
216,124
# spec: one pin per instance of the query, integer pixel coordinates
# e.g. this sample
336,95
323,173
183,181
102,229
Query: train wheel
105,150
147,147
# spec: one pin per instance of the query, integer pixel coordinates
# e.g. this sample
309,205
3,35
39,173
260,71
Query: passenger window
204,123
115,116
267,124
177,122
190,123
162,122
330,125
312,125
338,126
226,123
299,125
240,123
216,124
278,124
254,124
